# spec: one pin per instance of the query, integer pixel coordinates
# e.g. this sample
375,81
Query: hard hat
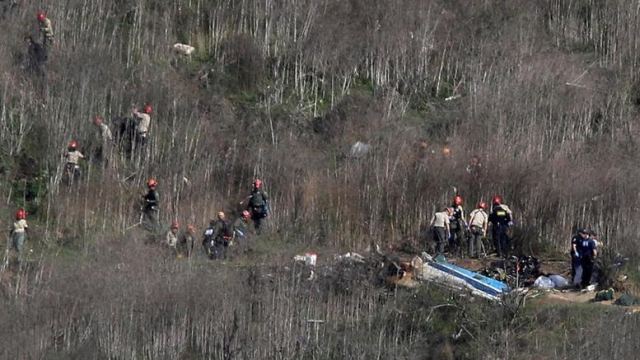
221,215
151,183
147,109
97,120
41,16
73,144
21,214
257,183
497,200
457,200
246,214
175,224
482,205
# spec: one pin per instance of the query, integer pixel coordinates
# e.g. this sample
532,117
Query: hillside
545,94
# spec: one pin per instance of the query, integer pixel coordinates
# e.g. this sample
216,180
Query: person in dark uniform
150,207
457,226
258,204
501,220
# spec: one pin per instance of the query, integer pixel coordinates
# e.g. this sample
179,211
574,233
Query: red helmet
457,200
257,183
151,183
21,214
497,200
246,214
175,224
73,145
482,205
41,16
147,109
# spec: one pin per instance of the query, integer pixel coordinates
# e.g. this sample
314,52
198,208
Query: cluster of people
141,125
38,52
454,234
220,234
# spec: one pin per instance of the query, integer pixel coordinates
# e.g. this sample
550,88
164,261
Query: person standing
172,237
187,242
241,231
258,204
143,122
440,228
46,29
72,165
217,237
478,222
18,233
457,226
150,207
501,220
587,250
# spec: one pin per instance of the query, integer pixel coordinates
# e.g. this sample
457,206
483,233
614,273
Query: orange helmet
73,145
41,16
21,214
482,205
147,109
152,183
457,200
175,225
257,183
246,214
497,200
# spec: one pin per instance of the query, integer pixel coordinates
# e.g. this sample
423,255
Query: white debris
183,49
308,259
359,149
350,256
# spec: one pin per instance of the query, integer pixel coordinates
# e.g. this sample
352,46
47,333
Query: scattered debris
458,278
350,256
551,282
359,149
605,295
183,49
309,259
401,273
543,282
627,299
559,281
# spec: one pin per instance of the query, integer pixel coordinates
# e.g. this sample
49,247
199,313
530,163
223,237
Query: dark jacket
500,217
151,200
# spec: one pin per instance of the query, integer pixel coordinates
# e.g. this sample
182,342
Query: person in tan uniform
46,29
478,222
172,237
73,156
440,227
143,122
18,232
187,241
